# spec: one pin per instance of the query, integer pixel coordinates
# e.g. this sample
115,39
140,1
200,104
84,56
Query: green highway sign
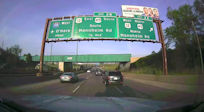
136,28
95,27
143,17
103,26
60,29
104,14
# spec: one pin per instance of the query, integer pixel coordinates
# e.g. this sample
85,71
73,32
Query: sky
22,22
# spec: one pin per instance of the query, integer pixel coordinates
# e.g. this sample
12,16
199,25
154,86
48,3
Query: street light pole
51,54
199,48
77,51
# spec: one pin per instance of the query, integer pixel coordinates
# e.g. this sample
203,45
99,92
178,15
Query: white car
68,77
88,71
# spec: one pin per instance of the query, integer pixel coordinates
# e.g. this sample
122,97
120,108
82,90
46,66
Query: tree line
181,44
9,58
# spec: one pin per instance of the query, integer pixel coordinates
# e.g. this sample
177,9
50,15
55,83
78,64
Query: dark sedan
112,77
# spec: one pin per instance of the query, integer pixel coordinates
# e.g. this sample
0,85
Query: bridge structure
66,61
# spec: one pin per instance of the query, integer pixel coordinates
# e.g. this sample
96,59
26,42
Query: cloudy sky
22,22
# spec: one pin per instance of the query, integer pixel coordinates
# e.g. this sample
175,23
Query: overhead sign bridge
94,58
106,26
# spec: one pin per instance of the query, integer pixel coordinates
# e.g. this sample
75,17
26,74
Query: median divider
34,85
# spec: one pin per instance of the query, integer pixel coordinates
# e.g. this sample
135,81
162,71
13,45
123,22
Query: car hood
89,104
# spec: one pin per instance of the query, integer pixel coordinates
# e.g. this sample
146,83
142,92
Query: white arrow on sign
151,29
140,26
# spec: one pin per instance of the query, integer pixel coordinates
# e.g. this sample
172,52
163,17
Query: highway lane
53,87
88,85
65,88
92,86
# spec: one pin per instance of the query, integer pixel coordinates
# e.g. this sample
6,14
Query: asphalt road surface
88,85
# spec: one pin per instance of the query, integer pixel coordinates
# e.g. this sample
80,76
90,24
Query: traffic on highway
101,56
89,90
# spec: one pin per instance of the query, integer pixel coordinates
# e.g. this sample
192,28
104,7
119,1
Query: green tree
7,59
16,50
181,30
198,7
181,44
28,58
181,33
153,52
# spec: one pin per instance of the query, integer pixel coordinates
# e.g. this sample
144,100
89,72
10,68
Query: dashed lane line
118,90
76,89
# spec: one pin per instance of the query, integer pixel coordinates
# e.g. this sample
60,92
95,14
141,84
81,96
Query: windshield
102,55
114,74
69,74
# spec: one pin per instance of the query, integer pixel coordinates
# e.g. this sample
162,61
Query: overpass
65,61
93,58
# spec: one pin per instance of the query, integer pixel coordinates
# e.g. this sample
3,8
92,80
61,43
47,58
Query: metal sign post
161,39
43,45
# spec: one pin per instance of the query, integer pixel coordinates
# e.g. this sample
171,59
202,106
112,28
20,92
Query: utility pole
197,39
199,94
199,48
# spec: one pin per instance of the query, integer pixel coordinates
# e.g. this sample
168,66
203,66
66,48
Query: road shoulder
171,86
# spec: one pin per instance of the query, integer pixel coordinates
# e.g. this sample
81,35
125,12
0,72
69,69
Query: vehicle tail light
108,77
70,77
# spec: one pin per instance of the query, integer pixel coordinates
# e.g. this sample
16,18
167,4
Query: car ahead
98,73
69,77
112,77
88,71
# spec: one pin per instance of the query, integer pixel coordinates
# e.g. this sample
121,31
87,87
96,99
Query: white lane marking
76,89
119,90
80,84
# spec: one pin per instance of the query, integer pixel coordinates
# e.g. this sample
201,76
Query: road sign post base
39,74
